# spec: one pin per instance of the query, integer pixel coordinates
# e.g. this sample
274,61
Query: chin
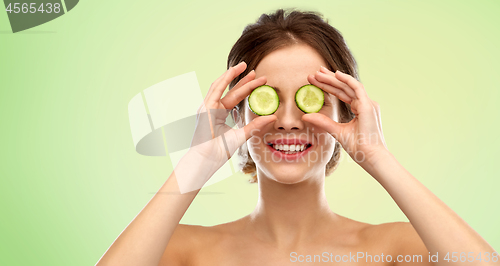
287,174
288,180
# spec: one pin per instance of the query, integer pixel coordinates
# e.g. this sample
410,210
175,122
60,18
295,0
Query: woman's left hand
362,137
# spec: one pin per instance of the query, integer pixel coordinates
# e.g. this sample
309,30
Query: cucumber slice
309,98
263,100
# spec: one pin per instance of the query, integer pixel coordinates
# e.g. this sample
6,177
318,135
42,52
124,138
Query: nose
289,117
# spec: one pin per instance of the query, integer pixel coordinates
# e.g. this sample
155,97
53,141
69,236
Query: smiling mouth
290,149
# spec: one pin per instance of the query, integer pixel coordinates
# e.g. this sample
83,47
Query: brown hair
283,28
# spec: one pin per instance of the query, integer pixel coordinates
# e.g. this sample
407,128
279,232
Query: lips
289,149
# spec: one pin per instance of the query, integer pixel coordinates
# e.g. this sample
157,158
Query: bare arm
144,240
439,227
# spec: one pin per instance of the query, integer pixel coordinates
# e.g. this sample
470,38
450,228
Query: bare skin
236,243
292,218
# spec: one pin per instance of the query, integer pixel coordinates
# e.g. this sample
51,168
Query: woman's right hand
214,142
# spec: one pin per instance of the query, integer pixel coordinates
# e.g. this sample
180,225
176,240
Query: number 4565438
33,8
471,257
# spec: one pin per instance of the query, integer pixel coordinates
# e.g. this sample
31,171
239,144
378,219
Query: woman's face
287,70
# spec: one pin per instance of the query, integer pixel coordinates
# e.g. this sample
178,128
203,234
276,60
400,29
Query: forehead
288,67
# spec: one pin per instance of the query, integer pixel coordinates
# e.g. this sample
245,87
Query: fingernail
324,68
338,71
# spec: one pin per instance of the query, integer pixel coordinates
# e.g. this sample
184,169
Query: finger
235,96
328,77
217,81
256,125
354,84
236,137
324,122
221,86
214,84
250,76
354,103
335,91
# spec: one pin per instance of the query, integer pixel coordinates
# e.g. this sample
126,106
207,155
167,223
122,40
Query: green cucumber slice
309,98
263,100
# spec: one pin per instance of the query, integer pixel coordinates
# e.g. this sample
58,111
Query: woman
292,221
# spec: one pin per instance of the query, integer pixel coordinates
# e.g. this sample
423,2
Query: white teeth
289,148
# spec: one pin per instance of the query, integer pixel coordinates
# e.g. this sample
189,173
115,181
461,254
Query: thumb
236,137
324,122
257,124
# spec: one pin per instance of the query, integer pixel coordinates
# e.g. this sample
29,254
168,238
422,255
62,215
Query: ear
237,118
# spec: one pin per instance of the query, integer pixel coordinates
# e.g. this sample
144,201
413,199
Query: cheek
325,140
325,145
255,148
255,143
336,113
331,108
248,114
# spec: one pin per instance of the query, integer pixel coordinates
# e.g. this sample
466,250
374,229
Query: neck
288,214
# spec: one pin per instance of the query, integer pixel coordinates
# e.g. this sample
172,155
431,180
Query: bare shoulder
183,243
400,238
401,233
189,241
389,230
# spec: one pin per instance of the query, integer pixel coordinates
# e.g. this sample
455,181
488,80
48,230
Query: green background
71,180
